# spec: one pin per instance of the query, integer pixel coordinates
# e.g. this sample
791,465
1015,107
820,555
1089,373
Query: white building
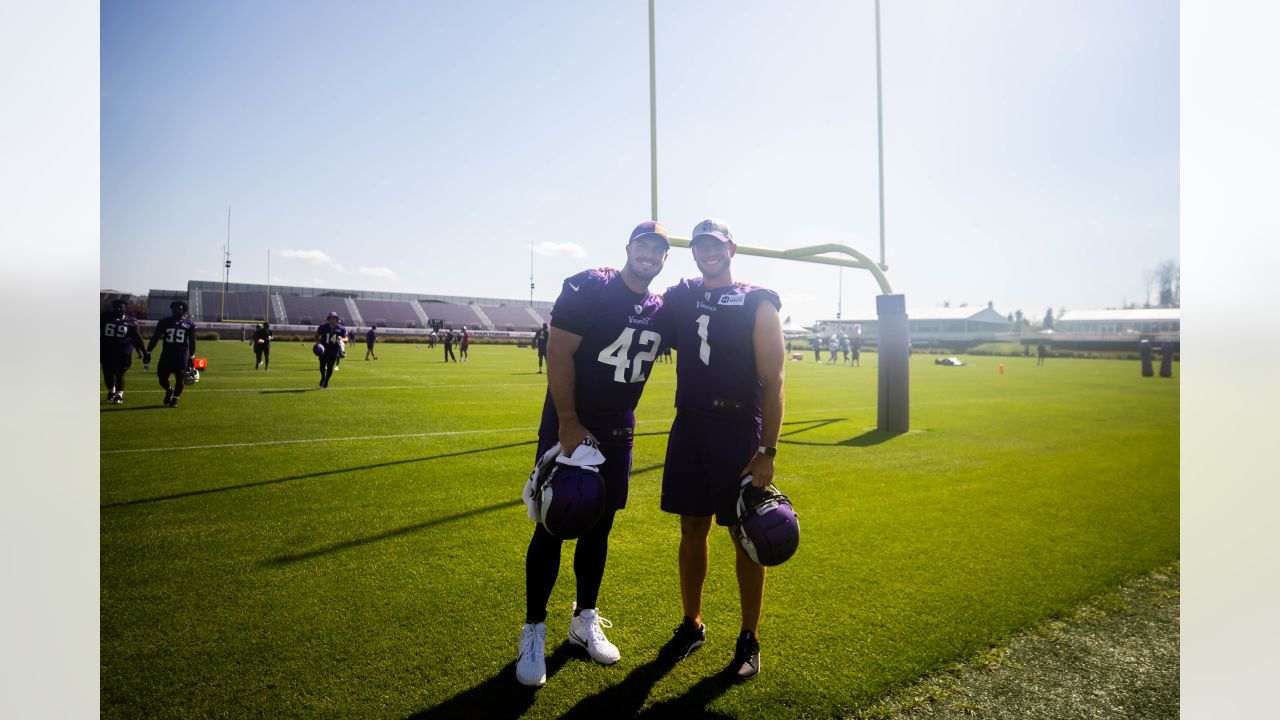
1156,324
927,326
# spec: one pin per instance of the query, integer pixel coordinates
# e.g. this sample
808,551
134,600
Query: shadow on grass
296,390
866,439
498,698
133,407
336,547
627,697
323,473
693,704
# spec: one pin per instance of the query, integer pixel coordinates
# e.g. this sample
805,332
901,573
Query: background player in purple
120,339
540,342
179,336
729,404
332,334
604,337
370,338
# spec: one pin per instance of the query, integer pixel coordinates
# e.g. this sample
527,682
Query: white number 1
704,348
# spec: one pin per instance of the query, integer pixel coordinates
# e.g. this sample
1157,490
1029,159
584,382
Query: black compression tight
542,565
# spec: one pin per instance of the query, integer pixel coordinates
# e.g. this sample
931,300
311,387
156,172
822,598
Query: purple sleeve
575,307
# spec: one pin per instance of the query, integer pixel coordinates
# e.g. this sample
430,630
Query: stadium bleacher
388,313
454,316
506,317
233,306
312,310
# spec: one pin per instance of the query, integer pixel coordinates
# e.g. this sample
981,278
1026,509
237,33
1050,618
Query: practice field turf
271,549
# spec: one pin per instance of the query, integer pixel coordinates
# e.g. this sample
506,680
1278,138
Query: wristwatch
767,451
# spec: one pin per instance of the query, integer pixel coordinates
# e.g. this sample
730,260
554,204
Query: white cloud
380,272
318,281
555,249
315,257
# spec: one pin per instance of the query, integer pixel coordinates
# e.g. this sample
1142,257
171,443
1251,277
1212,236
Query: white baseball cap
712,227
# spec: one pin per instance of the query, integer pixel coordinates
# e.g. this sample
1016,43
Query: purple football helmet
318,349
767,526
570,500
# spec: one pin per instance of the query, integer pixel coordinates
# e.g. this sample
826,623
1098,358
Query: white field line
447,433
340,388
399,436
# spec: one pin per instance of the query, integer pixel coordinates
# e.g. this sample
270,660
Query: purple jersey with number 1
716,367
621,333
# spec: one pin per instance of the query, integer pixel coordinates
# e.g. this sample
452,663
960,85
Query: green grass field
273,550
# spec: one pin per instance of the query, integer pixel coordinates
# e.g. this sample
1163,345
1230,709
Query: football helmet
569,500
193,375
767,528
318,349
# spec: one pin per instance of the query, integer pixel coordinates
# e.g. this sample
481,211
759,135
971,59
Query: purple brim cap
649,228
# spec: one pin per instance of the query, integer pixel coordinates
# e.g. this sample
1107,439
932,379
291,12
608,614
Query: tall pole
226,270
880,136
840,292
530,275
653,122
267,315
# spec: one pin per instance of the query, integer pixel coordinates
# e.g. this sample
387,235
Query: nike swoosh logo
575,287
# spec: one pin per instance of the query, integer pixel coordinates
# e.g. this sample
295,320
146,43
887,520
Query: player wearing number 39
729,402
604,336
179,336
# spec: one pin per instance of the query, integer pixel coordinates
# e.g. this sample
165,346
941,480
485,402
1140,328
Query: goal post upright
893,343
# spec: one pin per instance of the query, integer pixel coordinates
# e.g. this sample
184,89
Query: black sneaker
686,638
174,402
168,397
746,657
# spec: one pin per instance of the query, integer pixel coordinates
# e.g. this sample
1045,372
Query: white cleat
531,665
586,630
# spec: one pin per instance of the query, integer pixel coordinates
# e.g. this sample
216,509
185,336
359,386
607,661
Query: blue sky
1031,148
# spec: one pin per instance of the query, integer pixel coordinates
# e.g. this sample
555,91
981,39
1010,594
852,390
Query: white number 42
615,354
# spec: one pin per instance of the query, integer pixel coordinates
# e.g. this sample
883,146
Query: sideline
1115,656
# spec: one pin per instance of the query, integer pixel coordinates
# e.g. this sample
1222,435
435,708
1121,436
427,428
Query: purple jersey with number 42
621,335
716,366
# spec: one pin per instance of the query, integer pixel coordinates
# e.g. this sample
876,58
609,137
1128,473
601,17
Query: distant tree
1048,319
1169,281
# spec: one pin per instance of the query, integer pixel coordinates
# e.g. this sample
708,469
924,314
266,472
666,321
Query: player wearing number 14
605,333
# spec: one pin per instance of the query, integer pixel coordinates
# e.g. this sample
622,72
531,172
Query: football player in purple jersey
179,336
729,372
332,334
120,339
605,333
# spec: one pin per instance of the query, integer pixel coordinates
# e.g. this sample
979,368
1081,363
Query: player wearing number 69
605,333
729,371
